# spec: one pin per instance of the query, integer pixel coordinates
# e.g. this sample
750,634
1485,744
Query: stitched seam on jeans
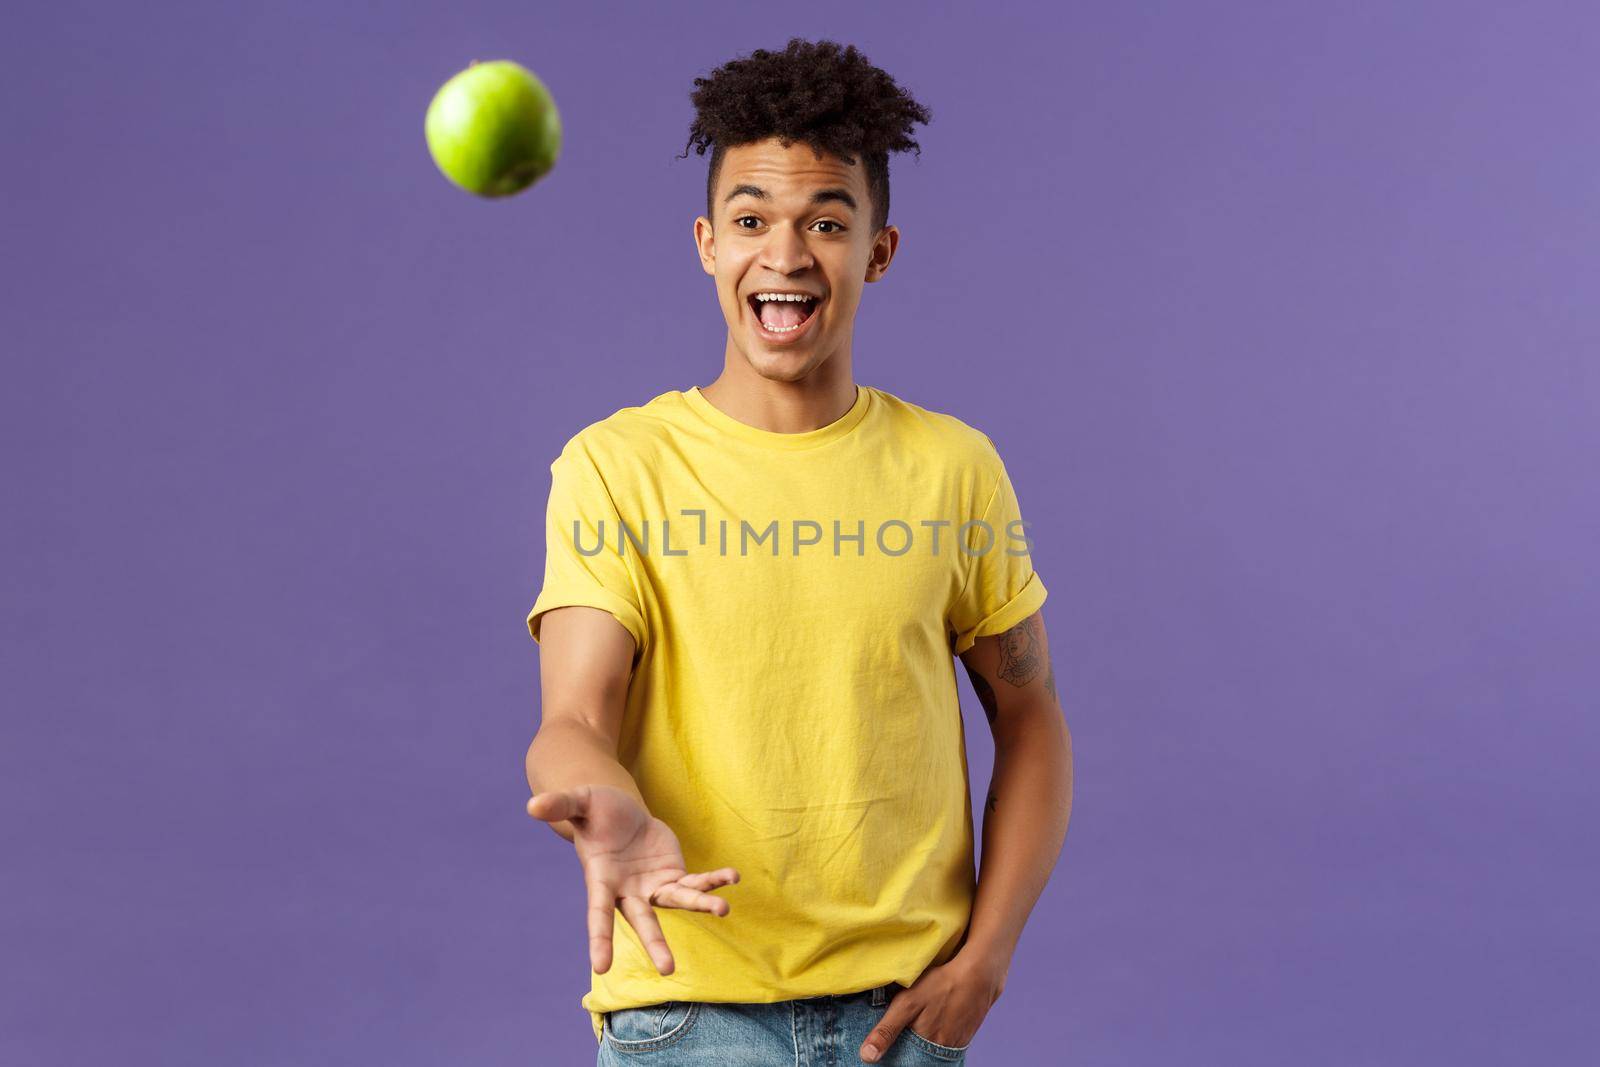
652,1044
949,1052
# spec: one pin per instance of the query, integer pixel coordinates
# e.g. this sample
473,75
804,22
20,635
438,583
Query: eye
739,222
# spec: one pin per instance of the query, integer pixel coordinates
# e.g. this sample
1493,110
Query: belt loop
880,996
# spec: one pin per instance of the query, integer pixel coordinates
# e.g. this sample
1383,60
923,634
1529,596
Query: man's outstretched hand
631,861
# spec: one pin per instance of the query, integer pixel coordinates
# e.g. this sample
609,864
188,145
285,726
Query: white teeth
790,297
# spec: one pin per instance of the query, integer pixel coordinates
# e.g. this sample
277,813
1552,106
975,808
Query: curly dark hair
819,92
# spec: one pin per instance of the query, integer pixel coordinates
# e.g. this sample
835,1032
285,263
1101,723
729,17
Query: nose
785,251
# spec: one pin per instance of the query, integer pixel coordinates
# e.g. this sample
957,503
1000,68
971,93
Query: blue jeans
809,1032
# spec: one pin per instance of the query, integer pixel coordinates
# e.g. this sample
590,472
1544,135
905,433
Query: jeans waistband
879,995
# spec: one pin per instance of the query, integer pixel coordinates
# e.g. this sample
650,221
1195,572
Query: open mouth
781,315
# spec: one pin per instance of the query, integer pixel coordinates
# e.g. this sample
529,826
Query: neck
783,406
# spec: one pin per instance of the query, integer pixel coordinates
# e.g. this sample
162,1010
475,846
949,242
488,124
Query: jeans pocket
950,1053
654,1026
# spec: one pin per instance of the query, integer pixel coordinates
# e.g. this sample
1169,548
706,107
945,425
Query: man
754,592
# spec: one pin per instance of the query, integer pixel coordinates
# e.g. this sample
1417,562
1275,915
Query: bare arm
1026,814
585,663
1030,794
632,861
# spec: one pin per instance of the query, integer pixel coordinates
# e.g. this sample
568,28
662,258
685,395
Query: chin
783,366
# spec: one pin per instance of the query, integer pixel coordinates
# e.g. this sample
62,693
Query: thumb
556,805
901,1011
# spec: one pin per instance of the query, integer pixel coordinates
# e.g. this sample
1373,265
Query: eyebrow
821,196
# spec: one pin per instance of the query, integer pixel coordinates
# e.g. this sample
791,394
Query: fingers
710,879
900,1013
690,899
642,917
601,906
555,805
690,892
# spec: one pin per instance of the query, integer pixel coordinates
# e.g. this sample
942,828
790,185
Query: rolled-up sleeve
1001,587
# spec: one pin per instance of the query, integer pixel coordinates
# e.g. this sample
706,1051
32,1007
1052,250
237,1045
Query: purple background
1283,318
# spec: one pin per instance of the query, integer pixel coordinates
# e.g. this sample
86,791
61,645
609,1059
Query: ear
705,244
883,248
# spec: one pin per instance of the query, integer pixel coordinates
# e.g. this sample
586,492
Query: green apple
493,129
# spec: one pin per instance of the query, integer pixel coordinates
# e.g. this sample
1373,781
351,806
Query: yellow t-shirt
796,602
